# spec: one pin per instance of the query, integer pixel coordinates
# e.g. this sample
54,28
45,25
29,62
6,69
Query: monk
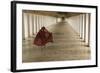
43,37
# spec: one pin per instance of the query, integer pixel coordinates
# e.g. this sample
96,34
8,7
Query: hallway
67,45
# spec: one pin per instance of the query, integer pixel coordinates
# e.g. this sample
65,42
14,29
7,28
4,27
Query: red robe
43,37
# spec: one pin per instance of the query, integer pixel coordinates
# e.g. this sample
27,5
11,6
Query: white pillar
42,21
84,27
39,22
87,28
38,25
33,31
87,34
56,20
23,26
89,18
81,26
25,22
35,23
46,22
51,20
30,25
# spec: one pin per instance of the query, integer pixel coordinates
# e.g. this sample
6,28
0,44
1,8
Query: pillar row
32,23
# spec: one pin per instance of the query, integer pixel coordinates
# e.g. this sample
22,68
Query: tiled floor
66,46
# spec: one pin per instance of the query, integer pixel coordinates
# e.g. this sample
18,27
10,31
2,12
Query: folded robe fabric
43,37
